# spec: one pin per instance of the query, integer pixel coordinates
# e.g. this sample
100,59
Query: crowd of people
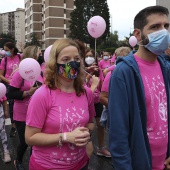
126,93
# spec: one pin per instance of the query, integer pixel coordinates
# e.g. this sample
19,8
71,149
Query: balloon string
95,48
88,73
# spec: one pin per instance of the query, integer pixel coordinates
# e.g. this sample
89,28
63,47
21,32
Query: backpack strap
19,56
42,75
5,65
6,62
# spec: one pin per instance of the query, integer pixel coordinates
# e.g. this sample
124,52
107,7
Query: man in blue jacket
139,94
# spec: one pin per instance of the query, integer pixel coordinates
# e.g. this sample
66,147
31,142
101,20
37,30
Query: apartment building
49,19
14,23
165,3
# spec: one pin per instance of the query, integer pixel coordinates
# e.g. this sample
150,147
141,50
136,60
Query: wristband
64,137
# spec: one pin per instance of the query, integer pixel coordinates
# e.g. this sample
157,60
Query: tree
4,38
111,41
81,15
34,40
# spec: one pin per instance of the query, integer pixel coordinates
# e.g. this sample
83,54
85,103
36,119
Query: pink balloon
96,26
29,69
3,52
47,53
132,41
2,90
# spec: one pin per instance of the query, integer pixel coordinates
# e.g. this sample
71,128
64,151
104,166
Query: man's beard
144,40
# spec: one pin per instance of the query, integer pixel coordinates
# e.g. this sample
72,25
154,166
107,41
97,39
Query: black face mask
40,59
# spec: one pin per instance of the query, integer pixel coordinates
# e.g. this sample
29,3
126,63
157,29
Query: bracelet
27,93
60,141
64,137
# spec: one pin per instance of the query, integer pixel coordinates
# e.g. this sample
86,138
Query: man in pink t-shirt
156,107
139,99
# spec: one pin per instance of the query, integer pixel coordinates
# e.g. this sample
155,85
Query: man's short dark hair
140,19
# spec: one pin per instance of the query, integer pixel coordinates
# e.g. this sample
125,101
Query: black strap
42,75
6,63
5,66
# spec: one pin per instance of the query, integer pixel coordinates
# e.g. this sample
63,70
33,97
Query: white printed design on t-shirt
70,118
158,108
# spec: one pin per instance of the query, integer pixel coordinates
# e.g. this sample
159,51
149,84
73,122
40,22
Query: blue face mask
105,57
158,41
8,53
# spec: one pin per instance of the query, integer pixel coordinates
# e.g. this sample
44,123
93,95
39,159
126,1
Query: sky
122,12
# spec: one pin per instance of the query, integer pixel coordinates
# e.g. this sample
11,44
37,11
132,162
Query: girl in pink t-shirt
3,136
21,90
105,62
60,113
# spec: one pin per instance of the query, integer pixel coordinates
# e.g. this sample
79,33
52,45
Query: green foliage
4,38
82,14
34,40
112,41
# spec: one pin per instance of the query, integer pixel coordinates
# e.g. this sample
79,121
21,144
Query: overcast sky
122,12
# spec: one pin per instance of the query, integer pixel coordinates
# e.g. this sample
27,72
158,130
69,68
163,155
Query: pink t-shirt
2,100
104,64
156,106
21,106
105,85
113,58
111,68
12,64
96,94
55,111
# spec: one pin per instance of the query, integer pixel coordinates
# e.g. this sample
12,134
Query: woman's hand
92,68
32,90
95,83
79,136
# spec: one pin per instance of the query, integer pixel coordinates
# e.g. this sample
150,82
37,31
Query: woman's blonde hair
51,77
31,52
122,51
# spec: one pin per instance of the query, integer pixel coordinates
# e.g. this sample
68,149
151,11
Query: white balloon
47,53
29,69
2,90
132,41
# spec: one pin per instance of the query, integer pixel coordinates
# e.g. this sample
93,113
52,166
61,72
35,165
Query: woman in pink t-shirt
60,113
119,52
8,64
21,90
89,61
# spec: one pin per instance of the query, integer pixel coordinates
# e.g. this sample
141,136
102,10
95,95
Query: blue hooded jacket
128,140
